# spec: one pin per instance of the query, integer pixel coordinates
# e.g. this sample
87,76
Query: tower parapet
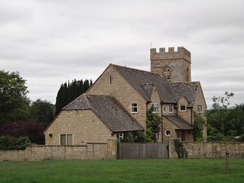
173,65
181,52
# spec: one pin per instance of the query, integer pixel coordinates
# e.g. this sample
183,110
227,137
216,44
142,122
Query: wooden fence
143,151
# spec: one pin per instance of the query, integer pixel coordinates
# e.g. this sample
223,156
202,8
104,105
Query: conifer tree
70,91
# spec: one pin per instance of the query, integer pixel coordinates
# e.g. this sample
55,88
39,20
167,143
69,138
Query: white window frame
199,106
171,106
166,133
155,107
181,105
120,136
66,139
134,107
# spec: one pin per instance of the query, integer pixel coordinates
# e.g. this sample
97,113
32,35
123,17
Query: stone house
119,99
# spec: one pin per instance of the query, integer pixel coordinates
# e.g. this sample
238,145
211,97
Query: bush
11,143
137,136
30,129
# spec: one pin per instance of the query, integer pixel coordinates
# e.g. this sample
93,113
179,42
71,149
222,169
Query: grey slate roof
178,121
110,112
144,82
187,90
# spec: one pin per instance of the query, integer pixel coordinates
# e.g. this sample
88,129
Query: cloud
53,41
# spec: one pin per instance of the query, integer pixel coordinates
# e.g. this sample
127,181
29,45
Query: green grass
122,171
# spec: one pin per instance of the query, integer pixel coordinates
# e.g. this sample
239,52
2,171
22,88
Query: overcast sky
52,41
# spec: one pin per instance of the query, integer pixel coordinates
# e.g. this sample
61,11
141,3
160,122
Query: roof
187,90
110,112
178,121
144,81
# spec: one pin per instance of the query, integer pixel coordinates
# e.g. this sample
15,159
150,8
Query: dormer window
199,108
155,108
182,107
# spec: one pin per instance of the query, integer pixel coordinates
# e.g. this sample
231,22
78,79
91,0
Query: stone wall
90,151
209,149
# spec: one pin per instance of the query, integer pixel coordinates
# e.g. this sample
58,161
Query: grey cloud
50,41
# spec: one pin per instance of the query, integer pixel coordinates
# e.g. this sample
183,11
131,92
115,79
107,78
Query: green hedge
11,143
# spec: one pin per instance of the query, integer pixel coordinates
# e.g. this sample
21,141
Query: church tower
174,66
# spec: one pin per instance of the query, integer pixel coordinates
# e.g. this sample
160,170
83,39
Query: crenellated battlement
174,64
181,52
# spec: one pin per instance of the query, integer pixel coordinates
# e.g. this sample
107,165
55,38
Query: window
110,80
182,107
134,108
167,72
167,133
171,108
65,139
164,108
120,136
155,108
199,108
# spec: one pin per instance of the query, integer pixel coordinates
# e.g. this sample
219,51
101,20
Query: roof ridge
134,69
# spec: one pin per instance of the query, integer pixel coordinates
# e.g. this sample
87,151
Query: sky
52,41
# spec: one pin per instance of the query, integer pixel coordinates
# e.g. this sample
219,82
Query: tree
14,104
225,121
70,91
42,112
152,126
30,129
222,122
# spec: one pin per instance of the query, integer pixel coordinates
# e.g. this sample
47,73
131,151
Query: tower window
167,72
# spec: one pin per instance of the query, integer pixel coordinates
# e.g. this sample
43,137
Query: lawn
121,171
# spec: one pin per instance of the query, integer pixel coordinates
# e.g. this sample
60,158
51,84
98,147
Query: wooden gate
143,151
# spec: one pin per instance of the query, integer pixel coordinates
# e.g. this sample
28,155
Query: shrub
11,143
137,136
29,129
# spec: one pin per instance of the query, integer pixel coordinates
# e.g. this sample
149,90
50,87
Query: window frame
181,105
120,136
199,111
132,108
153,107
166,133
171,106
66,140
164,108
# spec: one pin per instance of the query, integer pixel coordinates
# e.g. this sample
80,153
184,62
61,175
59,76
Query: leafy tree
152,126
70,91
225,122
14,104
42,112
30,129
